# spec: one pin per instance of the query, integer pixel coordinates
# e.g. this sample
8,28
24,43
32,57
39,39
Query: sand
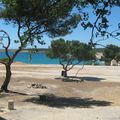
97,98
103,73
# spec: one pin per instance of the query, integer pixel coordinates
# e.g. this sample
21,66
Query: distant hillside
26,50
43,50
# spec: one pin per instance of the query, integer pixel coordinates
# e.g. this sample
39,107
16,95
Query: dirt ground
100,88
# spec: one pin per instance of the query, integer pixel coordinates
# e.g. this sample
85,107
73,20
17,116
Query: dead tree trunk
7,78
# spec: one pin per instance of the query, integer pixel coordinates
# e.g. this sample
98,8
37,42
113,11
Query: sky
77,34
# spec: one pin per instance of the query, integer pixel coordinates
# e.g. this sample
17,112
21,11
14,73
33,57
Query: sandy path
103,73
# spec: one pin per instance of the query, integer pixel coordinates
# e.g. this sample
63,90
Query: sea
40,58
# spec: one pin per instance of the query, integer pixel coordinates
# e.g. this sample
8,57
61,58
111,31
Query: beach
94,96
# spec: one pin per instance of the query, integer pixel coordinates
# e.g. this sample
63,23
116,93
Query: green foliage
58,49
4,60
70,52
35,17
111,52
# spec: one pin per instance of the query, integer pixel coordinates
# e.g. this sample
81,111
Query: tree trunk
64,73
7,78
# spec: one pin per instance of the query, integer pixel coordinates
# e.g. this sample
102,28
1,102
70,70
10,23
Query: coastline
42,58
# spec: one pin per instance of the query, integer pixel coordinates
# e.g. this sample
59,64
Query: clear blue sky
77,34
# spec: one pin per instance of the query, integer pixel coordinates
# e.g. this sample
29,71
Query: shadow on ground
91,78
79,79
2,118
2,95
61,102
12,93
18,93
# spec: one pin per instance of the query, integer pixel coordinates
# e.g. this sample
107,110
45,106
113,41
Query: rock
36,86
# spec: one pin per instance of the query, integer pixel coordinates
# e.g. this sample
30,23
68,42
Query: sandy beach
96,98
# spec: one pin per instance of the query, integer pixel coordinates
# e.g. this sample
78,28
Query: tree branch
2,62
21,41
99,16
6,47
73,65
18,32
61,63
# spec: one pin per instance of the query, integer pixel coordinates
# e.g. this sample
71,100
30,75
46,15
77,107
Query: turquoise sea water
38,58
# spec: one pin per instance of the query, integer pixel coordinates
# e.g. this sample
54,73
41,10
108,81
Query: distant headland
41,50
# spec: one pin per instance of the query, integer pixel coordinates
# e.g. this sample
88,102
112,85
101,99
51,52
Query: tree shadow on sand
12,93
18,93
91,78
1,118
61,102
79,79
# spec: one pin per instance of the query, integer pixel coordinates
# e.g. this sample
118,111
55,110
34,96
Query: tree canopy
111,52
70,53
53,17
